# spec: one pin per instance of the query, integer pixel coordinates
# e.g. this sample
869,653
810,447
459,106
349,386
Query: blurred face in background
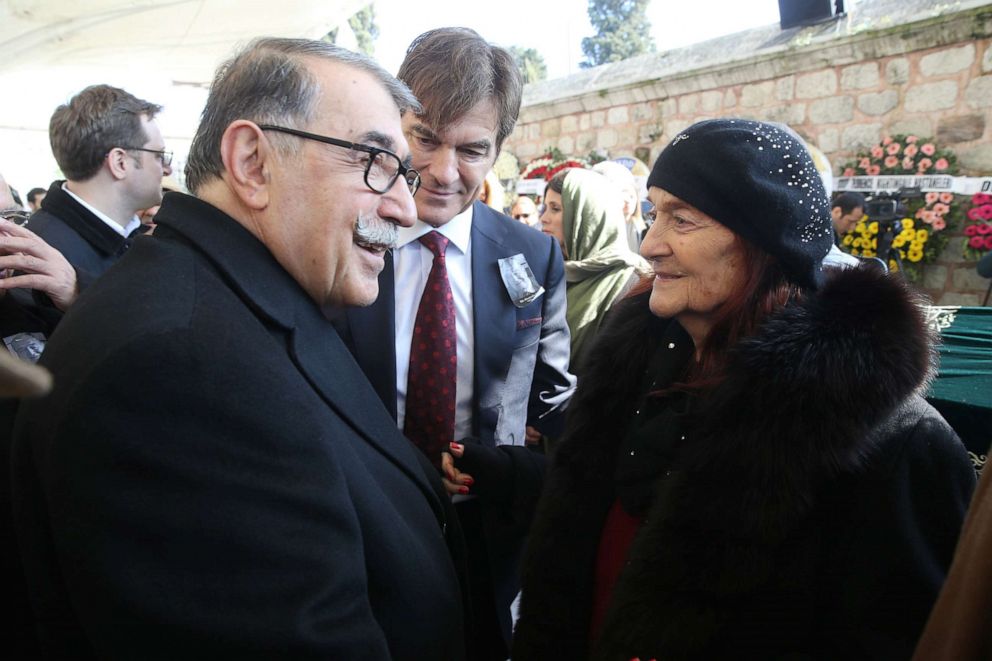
525,211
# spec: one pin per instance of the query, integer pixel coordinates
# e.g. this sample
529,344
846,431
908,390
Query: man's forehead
477,126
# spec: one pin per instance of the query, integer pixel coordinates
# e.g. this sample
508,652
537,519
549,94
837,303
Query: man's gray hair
268,82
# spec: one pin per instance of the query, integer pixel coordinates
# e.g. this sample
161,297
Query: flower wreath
551,163
978,227
929,218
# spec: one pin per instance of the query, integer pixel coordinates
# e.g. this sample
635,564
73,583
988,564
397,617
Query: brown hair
268,82
95,121
451,70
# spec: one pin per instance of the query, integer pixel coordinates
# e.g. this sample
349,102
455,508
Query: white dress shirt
412,262
111,223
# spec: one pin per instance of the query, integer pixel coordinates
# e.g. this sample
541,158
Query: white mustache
374,232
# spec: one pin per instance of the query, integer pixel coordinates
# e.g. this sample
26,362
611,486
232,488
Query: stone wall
930,77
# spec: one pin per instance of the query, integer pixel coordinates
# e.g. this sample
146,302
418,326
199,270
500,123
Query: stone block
785,88
859,76
987,60
828,140
669,108
918,126
859,136
947,61
585,122
569,124
644,154
832,111
878,103
627,137
617,115
674,127
710,101
598,119
791,114
935,277
585,142
977,160
550,128
526,151
757,95
978,94
929,97
648,133
641,112
960,129
816,85
954,298
897,71
729,99
688,104
606,138
533,131
566,144
966,278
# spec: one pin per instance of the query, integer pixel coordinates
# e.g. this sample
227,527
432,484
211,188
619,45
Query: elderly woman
582,211
748,470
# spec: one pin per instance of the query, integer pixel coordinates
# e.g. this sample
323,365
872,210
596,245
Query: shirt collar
457,230
123,231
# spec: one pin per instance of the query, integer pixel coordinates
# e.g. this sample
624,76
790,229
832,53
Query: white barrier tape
926,183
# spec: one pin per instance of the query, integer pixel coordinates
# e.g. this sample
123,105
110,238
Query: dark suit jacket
521,367
213,477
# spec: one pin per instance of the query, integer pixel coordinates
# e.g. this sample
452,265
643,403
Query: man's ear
118,163
836,213
248,157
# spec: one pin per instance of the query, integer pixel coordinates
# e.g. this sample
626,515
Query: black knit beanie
759,181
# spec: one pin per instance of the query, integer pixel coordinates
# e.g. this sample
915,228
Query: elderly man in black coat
213,476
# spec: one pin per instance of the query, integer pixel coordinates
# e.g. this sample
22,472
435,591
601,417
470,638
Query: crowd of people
337,404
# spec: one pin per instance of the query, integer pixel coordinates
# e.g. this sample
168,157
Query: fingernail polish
468,481
463,490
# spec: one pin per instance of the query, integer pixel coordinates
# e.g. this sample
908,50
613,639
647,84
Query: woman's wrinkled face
698,263
553,217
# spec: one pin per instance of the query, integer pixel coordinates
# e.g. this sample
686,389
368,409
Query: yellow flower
915,255
893,265
907,235
856,243
922,235
847,240
899,241
868,253
873,227
916,245
907,223
855,252
861,228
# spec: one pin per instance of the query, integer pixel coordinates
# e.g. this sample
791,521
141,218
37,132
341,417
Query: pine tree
530,62
622,31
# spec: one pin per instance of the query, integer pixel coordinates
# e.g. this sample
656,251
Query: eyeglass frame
164,155
401,170
16,216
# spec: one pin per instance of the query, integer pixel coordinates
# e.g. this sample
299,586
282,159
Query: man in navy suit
512,380
212,476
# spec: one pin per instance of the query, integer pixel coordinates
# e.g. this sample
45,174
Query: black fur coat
814,514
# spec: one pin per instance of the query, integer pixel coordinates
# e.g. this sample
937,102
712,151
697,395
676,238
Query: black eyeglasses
382,169
16,216
164,156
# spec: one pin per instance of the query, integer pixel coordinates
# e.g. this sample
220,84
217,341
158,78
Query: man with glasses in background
525,211
109,148
212,476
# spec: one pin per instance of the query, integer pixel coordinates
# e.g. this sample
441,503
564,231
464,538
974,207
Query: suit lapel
373,331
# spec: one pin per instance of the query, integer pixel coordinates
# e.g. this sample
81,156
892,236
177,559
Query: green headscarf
599,263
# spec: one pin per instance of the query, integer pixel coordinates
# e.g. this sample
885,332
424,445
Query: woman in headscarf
582,211
748,470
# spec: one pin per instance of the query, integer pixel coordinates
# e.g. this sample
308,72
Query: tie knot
435,242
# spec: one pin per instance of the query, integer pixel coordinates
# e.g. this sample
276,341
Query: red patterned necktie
430,392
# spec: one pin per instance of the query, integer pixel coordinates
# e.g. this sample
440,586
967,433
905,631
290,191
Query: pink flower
848,172
873,170
971,230
928,149
976,242
981,198
946,198
984,229
988,243
924,164
907,163
893,148
931,197
985,211
911,150
942,164
974,214
910,139
864,163
921,211
877,152
886,140
928,217
891,161
940,208
939,224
